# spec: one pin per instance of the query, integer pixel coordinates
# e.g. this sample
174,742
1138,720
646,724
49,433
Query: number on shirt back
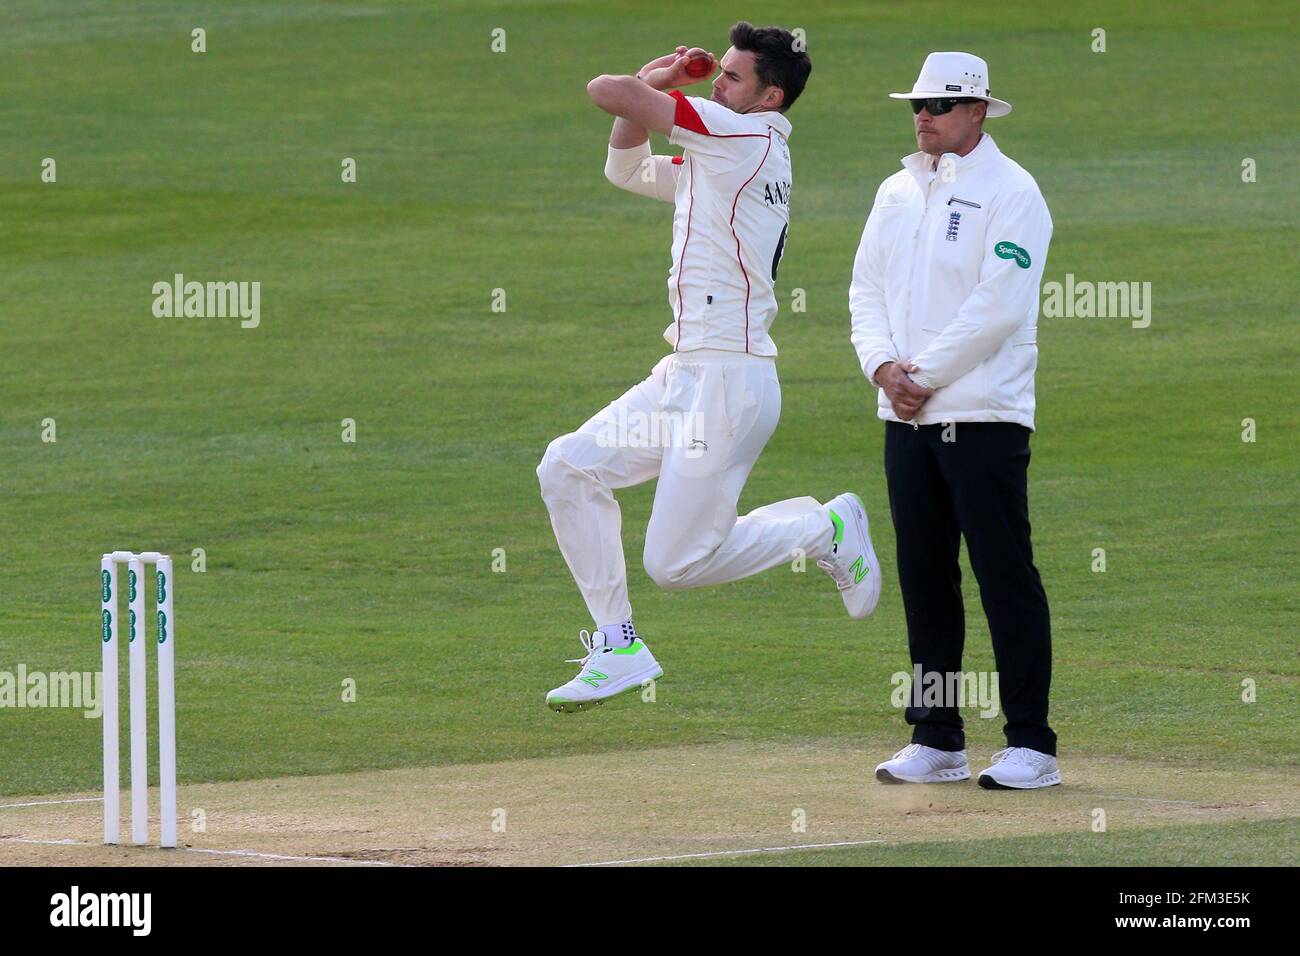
780,247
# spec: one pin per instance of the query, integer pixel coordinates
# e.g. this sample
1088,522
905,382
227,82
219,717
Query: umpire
945,318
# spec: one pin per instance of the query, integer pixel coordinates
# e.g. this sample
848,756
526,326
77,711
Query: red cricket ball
698,67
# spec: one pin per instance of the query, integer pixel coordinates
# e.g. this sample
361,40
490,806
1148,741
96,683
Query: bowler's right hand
669,72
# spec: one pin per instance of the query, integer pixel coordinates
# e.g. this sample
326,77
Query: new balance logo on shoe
624,669
852,561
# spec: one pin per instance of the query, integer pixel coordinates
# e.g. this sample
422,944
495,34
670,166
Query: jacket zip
911,268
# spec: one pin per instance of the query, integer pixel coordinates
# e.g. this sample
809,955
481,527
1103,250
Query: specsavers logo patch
1009,250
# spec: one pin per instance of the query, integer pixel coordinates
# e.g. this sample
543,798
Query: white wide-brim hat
955,74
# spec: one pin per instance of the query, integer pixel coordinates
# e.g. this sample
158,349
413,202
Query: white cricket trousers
698,424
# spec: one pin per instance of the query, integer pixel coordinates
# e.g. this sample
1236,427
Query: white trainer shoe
852,562
1019,768
917,763
606,672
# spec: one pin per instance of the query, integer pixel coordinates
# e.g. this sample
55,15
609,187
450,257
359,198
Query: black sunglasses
938,105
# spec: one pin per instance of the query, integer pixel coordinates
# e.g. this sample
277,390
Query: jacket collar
921,165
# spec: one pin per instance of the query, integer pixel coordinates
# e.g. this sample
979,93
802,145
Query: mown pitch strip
655,805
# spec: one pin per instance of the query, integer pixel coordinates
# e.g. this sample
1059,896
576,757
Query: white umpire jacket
947,276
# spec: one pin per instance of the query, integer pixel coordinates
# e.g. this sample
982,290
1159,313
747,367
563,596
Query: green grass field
371,561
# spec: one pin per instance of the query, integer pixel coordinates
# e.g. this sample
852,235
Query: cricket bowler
716,393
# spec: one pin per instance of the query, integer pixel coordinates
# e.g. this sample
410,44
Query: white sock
619,635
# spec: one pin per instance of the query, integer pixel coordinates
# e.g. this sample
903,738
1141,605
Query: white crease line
247,853
281,856
48,803
696,856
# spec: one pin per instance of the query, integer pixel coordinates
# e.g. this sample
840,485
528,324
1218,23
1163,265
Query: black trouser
974,487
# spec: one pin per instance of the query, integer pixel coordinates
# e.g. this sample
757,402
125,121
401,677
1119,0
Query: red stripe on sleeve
686,117
678,160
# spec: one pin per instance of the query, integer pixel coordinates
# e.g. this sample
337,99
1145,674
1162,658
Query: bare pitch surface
651,805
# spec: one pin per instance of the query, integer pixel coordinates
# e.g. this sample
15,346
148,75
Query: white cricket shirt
729,228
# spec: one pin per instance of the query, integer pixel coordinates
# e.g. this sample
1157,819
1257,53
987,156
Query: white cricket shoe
917,763
606,672
1019,768
852,562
